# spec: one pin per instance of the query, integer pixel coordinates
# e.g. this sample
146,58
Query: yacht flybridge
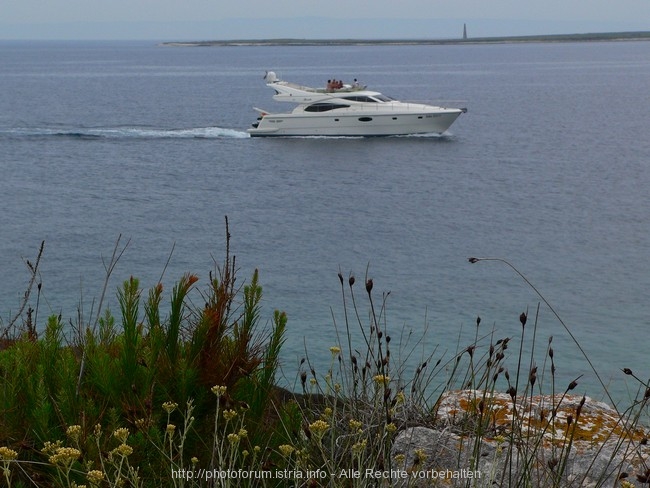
347,110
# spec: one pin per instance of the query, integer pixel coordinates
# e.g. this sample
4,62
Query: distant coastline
606,36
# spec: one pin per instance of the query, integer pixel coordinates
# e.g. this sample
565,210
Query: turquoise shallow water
548,169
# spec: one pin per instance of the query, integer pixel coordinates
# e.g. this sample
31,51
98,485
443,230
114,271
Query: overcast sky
245,19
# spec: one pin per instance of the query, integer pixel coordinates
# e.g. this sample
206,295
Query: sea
141,149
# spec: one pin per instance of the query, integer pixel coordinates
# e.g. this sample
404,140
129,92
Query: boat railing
302,87
311,89
400,107
440,102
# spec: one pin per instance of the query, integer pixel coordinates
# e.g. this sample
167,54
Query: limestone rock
547,441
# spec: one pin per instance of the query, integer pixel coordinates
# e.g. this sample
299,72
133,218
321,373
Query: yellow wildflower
233,438
327,412
313,381
51,447
335,350
319,427
391,427
399,459
400,397
229,414
242,433
74,432
121,434
171,428
286,449
123,450
7,454
65,456
355,424
95,477
380,378
194,460
420,455
360,446
219,390
169,407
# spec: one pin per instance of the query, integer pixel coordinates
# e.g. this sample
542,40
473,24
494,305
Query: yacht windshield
384,98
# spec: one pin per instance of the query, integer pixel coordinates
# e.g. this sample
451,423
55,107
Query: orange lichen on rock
557,418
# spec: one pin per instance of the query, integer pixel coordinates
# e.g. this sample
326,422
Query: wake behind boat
347,110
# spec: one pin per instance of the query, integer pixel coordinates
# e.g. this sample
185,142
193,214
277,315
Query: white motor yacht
348,110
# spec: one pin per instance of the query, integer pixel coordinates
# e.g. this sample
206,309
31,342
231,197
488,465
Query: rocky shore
561,440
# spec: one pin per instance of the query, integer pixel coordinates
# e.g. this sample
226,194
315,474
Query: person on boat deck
355,84
334,85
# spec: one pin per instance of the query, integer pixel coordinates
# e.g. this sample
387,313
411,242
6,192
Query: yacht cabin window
324,107
365,98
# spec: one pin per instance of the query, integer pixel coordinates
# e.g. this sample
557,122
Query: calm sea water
549,169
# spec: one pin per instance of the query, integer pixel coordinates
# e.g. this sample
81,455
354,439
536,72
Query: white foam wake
126,132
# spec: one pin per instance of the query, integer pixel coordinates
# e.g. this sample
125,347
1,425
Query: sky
257,19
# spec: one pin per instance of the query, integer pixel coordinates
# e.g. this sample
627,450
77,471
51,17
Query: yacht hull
351,125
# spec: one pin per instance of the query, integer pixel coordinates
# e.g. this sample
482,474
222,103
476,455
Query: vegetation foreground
190,399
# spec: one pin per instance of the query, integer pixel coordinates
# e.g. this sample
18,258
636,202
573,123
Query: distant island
607,36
